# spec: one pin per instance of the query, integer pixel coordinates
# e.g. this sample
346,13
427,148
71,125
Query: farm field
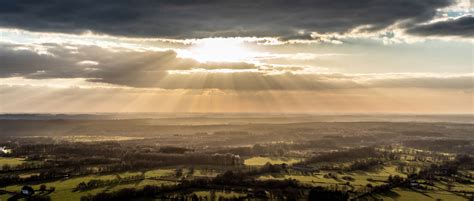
260,161
350,160
360,178
64,189
403,194
11,161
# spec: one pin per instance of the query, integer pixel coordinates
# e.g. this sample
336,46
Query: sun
220,50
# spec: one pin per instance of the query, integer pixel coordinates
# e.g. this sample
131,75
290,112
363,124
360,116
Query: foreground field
403,194
64,189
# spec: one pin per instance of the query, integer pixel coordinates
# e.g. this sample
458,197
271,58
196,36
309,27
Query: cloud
114,65
88,63
450,82
462,27
207,18
164,70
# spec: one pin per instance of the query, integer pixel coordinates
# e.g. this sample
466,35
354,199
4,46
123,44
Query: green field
455,186
320,180
64,188
11,161
402,194
159,173
361,178
260,161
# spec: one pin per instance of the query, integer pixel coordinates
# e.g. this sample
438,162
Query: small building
5,150
27,190
414,184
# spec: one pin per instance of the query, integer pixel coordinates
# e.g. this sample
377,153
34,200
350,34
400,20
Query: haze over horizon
250,56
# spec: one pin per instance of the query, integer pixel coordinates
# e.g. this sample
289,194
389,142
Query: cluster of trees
58,160
448,169
238,181
393,181
43,188
347,155
160,159
110,152
76,149
405,168
59,172
278,149
24,166
323,194
428,175
9,179
286,189
442,145
365,165
97,183
269,168
173,150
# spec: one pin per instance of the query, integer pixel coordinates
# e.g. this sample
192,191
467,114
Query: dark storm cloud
205,18
56,61
463,27
19,61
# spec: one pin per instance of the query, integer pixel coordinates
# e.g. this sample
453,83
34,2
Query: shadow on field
391,194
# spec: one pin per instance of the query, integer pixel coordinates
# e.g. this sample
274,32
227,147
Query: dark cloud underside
463,27
205,18
128,68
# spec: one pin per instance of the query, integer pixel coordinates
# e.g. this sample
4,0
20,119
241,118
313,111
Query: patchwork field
403,194
337,159
358,178
64,189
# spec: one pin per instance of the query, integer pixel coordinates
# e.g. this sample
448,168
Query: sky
271,56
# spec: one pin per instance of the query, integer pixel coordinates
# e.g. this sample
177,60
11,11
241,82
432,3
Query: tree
6,167
179,172
449,185
81,186
319,193
42,188
191,170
